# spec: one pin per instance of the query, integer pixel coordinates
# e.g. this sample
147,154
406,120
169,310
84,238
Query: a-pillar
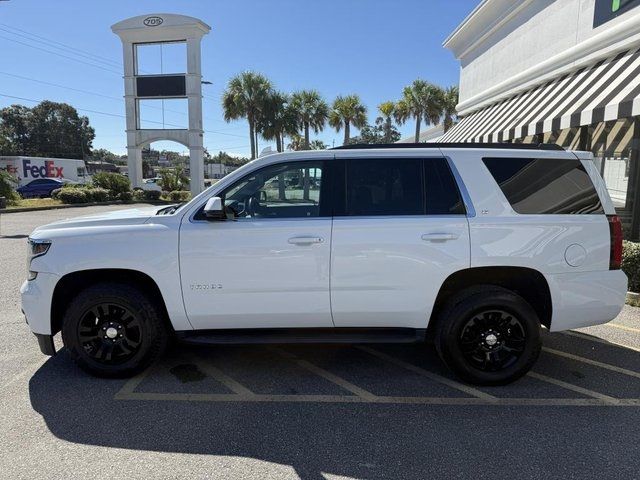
134,162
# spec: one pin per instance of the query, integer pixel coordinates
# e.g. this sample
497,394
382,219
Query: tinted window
279,191
545,186
443,197
384,187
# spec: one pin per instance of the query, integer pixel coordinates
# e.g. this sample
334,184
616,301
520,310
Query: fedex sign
48,170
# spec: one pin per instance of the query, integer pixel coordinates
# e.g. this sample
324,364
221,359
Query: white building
556,71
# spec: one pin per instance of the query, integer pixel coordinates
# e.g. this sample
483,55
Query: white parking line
595,363
433,376
459,401
574,388
591,338
341,382
622,327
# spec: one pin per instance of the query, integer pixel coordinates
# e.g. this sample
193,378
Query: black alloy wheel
492,340
115,329
110,333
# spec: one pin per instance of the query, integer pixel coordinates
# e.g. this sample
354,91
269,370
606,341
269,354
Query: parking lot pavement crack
595,363
341,382
433,376
574,388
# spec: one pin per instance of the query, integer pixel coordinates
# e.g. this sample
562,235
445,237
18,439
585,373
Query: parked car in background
152,184
39,188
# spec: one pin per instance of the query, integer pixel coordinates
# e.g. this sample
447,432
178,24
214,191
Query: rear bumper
586,299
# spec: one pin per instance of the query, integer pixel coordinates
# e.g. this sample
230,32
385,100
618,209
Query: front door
267,266
401,233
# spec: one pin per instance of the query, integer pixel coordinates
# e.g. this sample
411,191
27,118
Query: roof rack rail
504,146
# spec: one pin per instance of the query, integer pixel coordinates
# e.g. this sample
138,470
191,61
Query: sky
65,51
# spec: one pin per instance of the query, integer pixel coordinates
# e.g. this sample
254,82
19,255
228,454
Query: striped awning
606,90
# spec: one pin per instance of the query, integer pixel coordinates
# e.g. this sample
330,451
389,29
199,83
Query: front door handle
439,237
305,240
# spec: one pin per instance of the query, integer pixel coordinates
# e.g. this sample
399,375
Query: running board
302,335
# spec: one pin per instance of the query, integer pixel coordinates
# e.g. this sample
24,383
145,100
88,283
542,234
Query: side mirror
214,210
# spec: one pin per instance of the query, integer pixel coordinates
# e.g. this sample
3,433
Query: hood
131,216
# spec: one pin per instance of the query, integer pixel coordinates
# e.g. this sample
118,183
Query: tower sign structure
162,66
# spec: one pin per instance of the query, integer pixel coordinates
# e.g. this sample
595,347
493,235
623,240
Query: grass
35,202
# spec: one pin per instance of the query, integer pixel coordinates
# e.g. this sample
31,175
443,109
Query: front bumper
45,342
36,296
586,299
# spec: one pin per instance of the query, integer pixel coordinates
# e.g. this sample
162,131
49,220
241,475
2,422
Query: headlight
36,248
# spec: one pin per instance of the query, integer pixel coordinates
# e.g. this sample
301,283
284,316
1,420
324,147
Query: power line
61,55
48,42
113,115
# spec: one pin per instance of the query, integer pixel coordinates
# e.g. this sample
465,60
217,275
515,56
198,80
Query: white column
134,161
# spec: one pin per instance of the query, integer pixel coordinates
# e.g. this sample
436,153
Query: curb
76,205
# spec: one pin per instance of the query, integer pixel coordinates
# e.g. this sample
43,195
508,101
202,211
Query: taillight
615,234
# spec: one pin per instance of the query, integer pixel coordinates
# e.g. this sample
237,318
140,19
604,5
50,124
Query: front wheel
114,330
488,336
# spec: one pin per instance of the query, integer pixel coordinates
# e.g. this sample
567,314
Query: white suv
474,246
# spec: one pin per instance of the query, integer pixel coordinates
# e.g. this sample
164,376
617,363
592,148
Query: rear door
399,230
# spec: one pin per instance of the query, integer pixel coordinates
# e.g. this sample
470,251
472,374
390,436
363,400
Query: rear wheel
488,335
114,330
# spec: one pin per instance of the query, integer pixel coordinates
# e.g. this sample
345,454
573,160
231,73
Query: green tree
311,112
49,129
278,119
372,134
245,97
422,101
318,145
58,131
450,101
385,120
173,179
347,111
104,155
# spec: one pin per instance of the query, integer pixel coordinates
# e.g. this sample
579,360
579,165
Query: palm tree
420,100
245,97
311,110
386,110
277,119
347,111
450,101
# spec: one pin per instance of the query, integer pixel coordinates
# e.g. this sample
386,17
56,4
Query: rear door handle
439,237
305,240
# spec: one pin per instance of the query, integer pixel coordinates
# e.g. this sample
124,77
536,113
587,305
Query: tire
488,335
114,330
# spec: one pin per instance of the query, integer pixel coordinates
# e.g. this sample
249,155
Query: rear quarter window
545,185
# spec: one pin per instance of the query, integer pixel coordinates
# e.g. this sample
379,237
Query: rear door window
384,187
545,185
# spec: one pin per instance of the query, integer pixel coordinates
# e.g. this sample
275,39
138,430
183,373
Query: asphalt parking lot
313,412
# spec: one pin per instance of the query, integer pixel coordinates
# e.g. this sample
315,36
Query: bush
151,195
125,197
54,193
72,195
631,264
179,195
97,194
138,195
7,185
114,182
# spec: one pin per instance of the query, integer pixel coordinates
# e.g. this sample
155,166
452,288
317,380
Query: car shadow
359,440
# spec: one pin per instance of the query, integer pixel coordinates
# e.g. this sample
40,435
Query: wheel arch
529,283
72,283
